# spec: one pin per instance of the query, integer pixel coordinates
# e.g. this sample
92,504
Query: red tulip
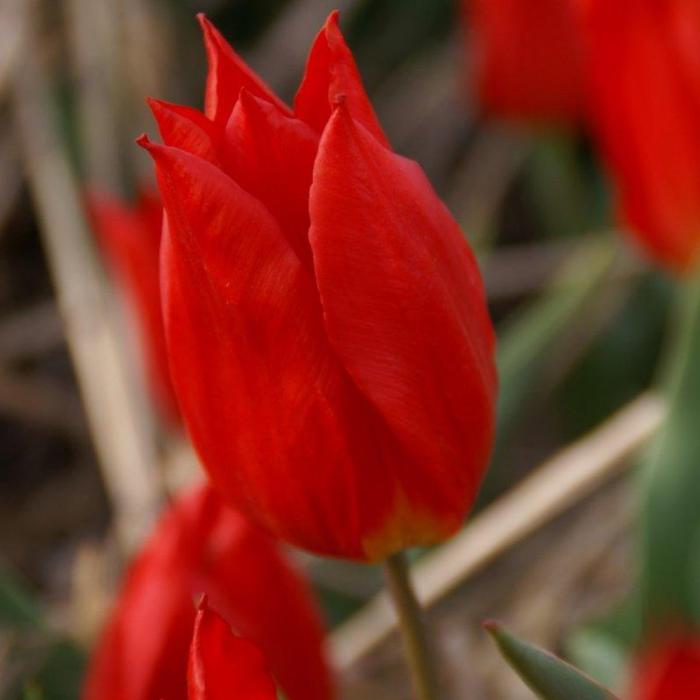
643,64
329,339
526,57
223,666
669,670
201,546
129,235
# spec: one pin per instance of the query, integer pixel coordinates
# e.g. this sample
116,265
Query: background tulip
643,69
223,666
527,59
329,338
129,235
668,670
200,546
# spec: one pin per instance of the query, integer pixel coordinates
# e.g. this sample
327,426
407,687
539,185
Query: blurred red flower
201,546
643,69
330,343
668,670
223,666
526,59
129,236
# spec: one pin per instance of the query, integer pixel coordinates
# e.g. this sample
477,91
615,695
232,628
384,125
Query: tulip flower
328,334
201,546
643,69
223,666
668,670
129,236
526,59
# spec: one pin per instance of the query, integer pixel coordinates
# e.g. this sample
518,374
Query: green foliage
44,665
60,675
623,358
599,654
670,523
528,338
387,32
549,677
668,589
17,607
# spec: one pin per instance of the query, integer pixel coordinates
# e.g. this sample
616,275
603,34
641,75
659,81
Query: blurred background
85,460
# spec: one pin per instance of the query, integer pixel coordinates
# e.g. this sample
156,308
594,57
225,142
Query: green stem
412,627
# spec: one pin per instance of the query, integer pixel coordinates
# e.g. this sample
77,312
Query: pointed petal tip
247,98
144,141
249,102
339,100
491,626
155,150
333,19
210,32
159,110
331,29
156,106
340,114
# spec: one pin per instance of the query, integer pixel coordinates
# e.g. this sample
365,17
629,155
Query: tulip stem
412,627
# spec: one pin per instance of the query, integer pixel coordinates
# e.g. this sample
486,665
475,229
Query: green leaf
601,648
17,607
45,665
599,654
526,338
549,677
31,692
670,519
61,674
640,322
526,341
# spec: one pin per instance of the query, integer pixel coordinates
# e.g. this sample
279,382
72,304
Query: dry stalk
123,449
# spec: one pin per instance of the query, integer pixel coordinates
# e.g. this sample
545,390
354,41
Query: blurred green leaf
61,674
599,654
670,517
337,605
548,676
17,607
639,324
49,667
43,667
31,692
602,647
527,339
557,185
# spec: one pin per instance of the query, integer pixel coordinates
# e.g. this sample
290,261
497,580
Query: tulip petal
668,668
271,156
331,74
279,425
404,308
185,128
223,666
200,545
228,73
652,147
526,59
